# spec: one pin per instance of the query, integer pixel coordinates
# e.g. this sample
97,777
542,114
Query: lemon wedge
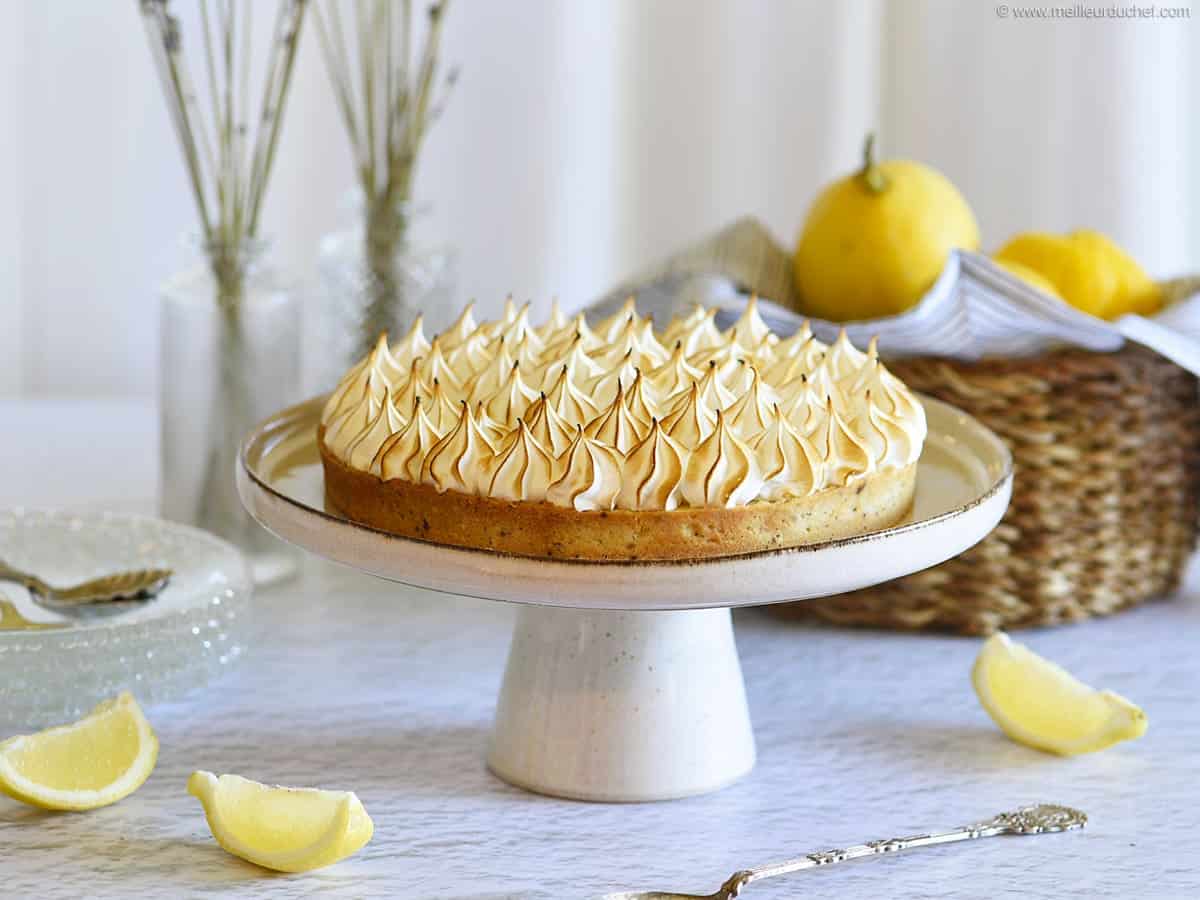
1042,705
286,829
98,760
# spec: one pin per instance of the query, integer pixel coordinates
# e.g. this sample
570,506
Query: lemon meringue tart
611,441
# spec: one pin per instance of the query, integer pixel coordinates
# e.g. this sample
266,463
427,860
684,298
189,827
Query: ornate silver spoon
139,584
1044,817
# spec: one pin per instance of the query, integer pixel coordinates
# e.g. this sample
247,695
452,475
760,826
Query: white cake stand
623,681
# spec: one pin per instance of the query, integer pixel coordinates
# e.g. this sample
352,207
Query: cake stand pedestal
623,681
593,703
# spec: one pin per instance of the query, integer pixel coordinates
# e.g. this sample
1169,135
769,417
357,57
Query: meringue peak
618,416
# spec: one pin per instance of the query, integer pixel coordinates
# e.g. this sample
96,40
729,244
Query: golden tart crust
545,530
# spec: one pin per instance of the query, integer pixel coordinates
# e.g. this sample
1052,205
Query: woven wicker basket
1106,496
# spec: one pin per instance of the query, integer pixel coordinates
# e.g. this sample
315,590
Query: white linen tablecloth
389,691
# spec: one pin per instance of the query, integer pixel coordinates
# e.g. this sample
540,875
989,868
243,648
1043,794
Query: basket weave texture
1105,502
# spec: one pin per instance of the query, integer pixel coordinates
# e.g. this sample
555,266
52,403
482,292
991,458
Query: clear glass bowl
197,628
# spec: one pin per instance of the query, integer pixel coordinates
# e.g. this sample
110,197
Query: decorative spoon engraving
119,587
1040,819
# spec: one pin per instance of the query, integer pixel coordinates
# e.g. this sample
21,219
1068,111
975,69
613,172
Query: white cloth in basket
978,309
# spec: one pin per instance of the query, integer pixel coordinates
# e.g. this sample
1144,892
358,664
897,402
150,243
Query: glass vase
373,277
229,357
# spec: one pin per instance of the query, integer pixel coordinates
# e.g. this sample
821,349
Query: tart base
548,531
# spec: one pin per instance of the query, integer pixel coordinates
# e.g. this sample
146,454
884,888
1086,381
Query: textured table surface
389,691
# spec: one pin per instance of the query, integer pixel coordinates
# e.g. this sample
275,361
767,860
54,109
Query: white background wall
584,140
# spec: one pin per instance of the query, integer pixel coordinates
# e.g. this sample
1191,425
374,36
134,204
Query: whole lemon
1137,292
1030,276
1038,251
875,241
1088,270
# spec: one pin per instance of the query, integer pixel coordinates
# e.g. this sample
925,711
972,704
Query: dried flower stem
386,100
228,179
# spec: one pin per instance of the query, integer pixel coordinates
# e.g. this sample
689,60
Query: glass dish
197,628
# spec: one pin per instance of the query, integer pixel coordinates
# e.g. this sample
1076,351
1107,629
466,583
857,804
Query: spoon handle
1027,820
32,582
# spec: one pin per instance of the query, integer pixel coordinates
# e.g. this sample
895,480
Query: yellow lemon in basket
1037,251
1043,706
1030,276
285,829
1136,291
1088,270
98,760
875,241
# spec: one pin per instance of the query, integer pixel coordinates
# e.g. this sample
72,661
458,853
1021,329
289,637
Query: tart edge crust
547,531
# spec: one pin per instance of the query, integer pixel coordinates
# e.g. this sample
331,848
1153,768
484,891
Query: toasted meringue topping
675,374
750,330
570,402
692,420
699,334
412,346
512,398
408,390
640,401
551,429
610,328
435,367
591,475
607,387
846,454
652,473
521,470
616,427
576,361
844,358
456,462
722,471
789,463
468,356
712,392
401,457
615,416
555,324
464,327
343,430
443,410
388,421
368,376
755,411
494,431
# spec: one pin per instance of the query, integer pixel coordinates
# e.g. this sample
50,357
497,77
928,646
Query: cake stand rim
253,487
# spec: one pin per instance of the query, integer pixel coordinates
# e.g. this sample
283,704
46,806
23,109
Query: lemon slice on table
286,829
1042,705
96,761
